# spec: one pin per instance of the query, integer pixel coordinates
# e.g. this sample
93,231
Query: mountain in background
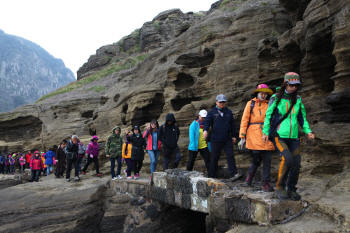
27,72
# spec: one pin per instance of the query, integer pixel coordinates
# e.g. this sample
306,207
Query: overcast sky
73,29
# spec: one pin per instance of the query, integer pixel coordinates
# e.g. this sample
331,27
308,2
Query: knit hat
263,88
94,138
292,78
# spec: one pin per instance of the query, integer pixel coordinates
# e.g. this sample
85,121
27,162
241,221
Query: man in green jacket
113,151
285,111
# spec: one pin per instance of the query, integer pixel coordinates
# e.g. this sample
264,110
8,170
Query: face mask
260,98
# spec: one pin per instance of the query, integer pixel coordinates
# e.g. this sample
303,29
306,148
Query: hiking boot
249,179
98,175
76,178
235,177
293,195
282,194
267,187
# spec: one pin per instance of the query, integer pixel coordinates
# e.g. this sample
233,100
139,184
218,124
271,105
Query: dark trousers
216,148
79,163
28,165
258,156
69,167
60,171
289,169
119,161
7,168
129,168
35,175
192,157
92,160
22,168
2,168
136,166
12,168
167,152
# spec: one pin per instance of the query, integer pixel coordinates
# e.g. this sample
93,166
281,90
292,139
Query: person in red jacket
28,156
36,165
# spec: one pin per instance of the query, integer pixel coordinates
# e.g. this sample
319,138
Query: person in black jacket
72,158
137,153
169,135
61,159
223,136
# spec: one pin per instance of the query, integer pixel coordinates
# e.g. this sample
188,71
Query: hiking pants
192,157
92,160
49,168
119,161
216,148
60,171
289,150
7,168
258,156
137,165
22,168
153,155
167,155
2,168
130,165
35,175
69,167
12,168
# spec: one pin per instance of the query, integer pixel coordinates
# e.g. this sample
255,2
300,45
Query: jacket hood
170,117
116,128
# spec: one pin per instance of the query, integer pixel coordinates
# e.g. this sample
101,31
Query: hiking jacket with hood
138,144
194,136
49,157
127,148
114,144
169,134
289,127
61,157
252,124
224,128
3,159
28,156
149,135
36,163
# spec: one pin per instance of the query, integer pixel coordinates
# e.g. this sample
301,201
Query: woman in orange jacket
251,131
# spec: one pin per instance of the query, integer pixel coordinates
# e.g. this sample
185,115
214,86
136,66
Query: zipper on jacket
290,120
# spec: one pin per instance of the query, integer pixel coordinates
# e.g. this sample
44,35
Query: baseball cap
203,113
221,98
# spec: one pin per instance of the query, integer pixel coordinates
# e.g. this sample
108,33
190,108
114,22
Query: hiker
197,142
137,153
22,162
127,148
19,155
251,132
60,159
169,134
92,152
2,164
45,167
7,164
36,165
28,156
153,144
222,136
281,126
81,154
113,150
72,158
12,162
49,160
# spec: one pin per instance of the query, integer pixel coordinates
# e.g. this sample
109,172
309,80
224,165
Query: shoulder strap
252,104
215,119
283,118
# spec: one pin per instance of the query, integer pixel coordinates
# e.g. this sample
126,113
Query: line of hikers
269,122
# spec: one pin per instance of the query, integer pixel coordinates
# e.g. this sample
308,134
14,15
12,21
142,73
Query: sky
74,29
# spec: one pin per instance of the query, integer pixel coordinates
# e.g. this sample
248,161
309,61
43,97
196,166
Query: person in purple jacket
92,151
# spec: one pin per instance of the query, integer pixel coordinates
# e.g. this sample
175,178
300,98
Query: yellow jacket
126,156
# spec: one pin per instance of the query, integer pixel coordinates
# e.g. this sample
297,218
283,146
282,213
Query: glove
91,156
241,143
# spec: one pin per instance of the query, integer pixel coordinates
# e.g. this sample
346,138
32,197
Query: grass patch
264,3
127,64
97,88
157,25
136,48
224,3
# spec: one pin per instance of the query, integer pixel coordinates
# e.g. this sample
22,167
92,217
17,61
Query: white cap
203,113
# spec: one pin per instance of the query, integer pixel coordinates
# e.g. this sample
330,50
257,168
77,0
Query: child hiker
137,153
22,161
127,147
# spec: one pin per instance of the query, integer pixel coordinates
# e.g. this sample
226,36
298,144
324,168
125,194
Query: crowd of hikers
269,123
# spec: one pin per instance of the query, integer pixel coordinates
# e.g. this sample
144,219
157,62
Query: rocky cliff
229,49
27,72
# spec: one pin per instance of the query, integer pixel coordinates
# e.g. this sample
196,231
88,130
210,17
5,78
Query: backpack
81,150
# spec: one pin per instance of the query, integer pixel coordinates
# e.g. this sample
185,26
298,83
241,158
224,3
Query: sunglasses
222,102
293,85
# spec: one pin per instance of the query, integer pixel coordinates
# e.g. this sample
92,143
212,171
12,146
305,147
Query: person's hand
234,140
91,156
107,156
205,134
126,132
265,138
311,136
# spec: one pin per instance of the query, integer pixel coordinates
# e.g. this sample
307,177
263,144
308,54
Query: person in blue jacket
49,157
223,136
197,142
2,164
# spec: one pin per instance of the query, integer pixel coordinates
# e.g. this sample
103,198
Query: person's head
262,91
202,115
74,138
291,84
136,129
116,130
170,118
36,153
95,138
154,124
63,144
221,101
50,149
29,152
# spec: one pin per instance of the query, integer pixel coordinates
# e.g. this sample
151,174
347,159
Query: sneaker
98,175
293,195
83,173
249,179
76,178
135,177
267,187
114,178
56,177
151,177
129,178
126,174
235,177
119,177
68,180
282,194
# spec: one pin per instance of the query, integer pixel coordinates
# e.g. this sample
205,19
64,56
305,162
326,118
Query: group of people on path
269,122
